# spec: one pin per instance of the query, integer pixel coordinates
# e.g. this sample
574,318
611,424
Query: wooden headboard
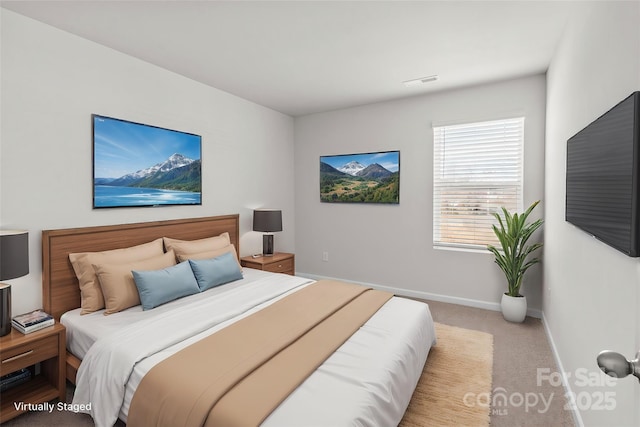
60,290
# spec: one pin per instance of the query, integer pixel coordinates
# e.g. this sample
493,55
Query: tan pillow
211,254
91,298
187,247
116,280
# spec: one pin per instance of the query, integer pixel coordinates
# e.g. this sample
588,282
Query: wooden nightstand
47,346
280,262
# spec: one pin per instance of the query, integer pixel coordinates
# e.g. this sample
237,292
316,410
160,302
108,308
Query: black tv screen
602,177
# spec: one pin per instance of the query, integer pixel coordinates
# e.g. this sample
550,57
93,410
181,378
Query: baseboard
577,418
493,306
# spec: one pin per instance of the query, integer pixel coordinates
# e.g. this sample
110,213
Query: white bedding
368,381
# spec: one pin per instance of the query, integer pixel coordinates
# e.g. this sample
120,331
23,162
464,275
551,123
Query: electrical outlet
325,256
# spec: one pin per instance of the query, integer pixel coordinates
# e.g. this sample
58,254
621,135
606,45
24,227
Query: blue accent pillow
158,287
216,271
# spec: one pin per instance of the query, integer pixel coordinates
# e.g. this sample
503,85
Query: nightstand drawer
284,266
280,262
28,354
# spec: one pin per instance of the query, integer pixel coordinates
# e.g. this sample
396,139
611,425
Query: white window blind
477,169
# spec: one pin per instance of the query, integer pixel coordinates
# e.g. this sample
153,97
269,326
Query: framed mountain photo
142,165
360,178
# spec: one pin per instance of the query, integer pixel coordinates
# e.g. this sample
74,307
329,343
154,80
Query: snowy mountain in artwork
352,168
174,161
177,172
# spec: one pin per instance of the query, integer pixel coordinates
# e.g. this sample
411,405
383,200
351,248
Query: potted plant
513,232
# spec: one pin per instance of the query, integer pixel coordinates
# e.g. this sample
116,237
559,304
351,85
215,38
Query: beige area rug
455,386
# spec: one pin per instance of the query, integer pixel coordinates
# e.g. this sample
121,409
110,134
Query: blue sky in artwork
389,160
122,147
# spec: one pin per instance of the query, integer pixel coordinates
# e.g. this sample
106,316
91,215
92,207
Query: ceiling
302,57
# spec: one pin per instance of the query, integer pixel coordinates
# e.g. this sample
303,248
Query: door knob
617,366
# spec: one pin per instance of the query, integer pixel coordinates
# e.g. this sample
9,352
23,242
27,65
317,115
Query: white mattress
368,381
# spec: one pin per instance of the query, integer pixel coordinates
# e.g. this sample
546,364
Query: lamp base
5,309
267,244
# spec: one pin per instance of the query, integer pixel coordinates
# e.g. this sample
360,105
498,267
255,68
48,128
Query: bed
368,380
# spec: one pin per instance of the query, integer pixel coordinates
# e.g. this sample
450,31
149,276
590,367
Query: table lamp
14,262
267,220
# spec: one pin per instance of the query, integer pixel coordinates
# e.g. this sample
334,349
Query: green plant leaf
513,233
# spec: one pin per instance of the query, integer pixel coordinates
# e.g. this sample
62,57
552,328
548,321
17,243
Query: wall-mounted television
603,177
360,178
142,165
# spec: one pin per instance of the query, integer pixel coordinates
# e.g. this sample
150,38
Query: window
477,169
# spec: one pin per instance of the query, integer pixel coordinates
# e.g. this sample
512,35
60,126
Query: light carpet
455,386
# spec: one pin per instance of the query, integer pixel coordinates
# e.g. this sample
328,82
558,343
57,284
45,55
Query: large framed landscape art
360,178
142,165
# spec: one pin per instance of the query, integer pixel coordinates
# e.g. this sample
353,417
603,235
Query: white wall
53,81
591,291
391,245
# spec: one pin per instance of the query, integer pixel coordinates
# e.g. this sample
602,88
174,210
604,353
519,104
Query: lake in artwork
107,196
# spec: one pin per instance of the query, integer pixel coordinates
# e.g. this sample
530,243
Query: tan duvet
238,375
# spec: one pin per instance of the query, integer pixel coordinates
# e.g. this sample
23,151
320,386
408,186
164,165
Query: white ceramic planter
514,309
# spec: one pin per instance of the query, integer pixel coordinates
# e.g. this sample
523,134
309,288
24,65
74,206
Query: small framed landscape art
142,165
360,178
